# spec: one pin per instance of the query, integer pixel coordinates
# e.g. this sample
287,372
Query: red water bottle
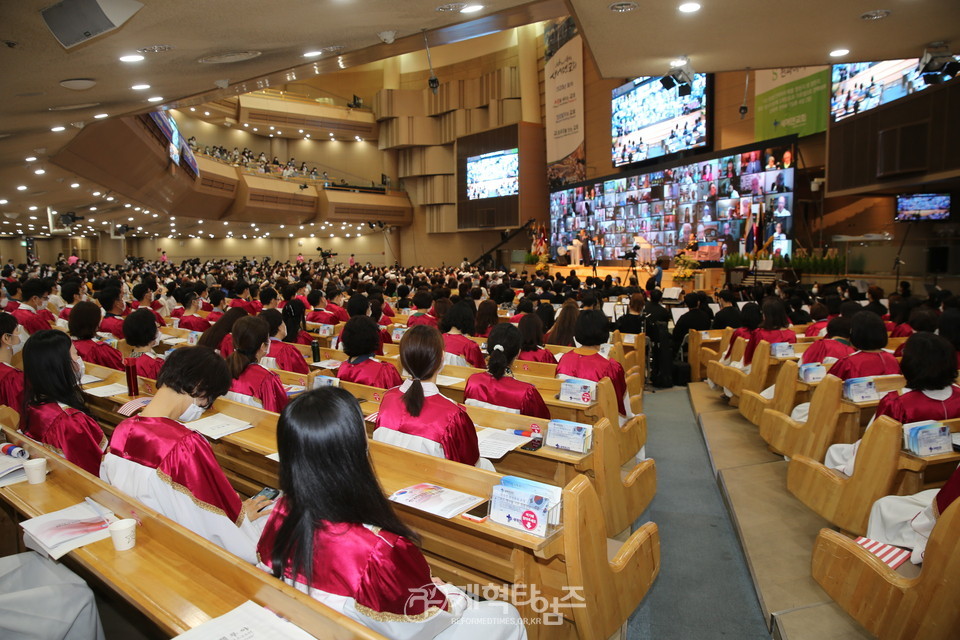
133,385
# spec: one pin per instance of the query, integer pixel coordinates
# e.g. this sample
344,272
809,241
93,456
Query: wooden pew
763,372
716,372
888,605
174,577
752,404
831,420
701,345
879,470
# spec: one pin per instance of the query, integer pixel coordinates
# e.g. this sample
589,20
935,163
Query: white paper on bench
218,425
249,621
107,390
496,443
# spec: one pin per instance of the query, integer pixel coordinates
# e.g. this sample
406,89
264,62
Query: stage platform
705,279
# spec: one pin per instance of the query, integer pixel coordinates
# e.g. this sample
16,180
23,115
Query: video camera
326,255
632,254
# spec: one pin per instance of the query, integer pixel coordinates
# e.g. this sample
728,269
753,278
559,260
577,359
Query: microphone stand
897,261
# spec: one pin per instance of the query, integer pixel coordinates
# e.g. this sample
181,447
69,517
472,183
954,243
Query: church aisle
704,589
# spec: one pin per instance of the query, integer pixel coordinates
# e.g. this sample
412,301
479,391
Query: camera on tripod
630,255
326,255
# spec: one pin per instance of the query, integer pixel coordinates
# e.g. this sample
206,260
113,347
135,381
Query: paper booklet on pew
927,438
249,621
578,390
892,556
782,350
11,470
218,425
496,443
330,363
533,507
107,390
569,436
325,381
60,532
811,372
435,499
860,390
397,333
325,330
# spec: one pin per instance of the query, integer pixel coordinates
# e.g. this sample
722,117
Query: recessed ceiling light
279,133
40,172
206,113
255,129
837,53
109,198
78,84
30,158
155,99
101,116
3,201
876,14
472,8
93,208
57,129
74,185
312,54
622,7
22,188
131,58
96,193
689,7
33,207
140,87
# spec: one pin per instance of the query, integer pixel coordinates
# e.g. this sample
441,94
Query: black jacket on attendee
727,317
657,312
630,323
693,319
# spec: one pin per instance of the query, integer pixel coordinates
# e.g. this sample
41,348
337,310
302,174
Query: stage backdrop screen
493,175
861,86
923,207
650,121
712,207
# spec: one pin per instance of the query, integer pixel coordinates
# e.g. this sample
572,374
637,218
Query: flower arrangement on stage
684,267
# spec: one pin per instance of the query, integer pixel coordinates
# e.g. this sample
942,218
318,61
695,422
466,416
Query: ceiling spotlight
838,53
679,62
57,129
622,7
312,54
22,188
30,158
75,185
689,7
40,172
101,116
140,87
131,58
155,99
472,8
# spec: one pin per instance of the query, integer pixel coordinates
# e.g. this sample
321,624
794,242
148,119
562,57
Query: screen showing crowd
713,208
650,121
861,86
493,175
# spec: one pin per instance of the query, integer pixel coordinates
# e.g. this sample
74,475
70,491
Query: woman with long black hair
252,383
54,412
335,536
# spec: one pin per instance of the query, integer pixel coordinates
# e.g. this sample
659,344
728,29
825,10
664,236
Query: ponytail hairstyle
249,334
421,355
376,309
503,345
294,316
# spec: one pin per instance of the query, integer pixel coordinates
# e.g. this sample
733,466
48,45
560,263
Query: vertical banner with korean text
563,94
791,100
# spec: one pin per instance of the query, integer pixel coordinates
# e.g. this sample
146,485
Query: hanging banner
791,100
563,78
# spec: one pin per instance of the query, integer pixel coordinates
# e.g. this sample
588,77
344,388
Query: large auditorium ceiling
727,35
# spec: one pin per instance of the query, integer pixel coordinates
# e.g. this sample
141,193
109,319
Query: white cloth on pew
243,398
420,445
41,600
142,483
904,521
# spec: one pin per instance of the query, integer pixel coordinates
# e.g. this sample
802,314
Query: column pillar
528,42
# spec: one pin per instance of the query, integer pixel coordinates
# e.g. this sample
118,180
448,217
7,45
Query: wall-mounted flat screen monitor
730,203
923,207
653,117
861,86
493,175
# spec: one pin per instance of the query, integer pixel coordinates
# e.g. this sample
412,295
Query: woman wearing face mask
190,319
11,378
253,384
154,458
83,324
143,335
54,412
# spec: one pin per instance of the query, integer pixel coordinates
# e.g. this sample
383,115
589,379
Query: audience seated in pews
360,341
496,388
11,378
252,383
142,336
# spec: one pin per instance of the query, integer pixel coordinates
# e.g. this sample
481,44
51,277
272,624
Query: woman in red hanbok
334,536
586,361
459,349
360,339
11,378
54,412
252,383
84,322
143,335
495,388
156,459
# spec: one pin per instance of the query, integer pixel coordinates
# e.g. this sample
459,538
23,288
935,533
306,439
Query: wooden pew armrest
836,558
638,471
641,548
816,471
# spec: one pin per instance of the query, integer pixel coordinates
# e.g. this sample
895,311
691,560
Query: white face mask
80,369
191,413
19,345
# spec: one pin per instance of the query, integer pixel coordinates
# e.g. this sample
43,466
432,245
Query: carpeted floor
704,589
